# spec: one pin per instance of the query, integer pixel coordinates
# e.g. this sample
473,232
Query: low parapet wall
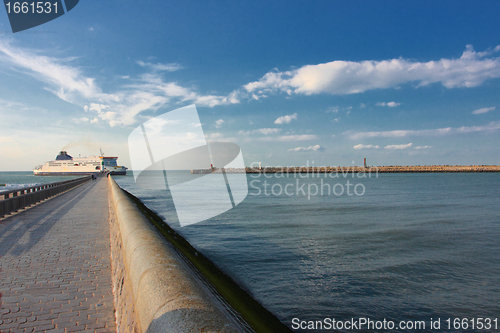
166,295
14,200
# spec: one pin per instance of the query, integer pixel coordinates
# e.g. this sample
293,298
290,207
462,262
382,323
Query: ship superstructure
65,164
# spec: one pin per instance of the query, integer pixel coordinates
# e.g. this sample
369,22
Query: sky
293,83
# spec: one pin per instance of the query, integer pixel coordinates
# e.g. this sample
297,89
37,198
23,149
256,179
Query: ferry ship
65,164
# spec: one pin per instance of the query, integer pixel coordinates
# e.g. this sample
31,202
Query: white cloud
313,148
393,104
160,67
389,104
66,81
214,136
154,84
219,137
219,123
397,147
149,91
85,120
285,119
483,110
303,137
265,131
423,147
493,126
81,120
350,77
332,109
360,146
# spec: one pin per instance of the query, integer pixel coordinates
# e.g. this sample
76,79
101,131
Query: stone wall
126,321
154,290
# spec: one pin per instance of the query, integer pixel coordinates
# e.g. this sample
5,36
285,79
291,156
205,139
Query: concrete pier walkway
55,271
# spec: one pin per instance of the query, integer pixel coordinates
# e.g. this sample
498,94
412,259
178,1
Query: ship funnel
63,155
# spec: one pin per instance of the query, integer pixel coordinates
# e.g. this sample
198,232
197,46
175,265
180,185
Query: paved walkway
55,271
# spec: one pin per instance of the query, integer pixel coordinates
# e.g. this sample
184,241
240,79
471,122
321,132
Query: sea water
11,180
405,248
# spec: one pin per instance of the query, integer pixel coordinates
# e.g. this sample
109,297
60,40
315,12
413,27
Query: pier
90,258
55,264
356,169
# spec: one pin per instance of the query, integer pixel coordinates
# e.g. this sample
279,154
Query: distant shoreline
357,169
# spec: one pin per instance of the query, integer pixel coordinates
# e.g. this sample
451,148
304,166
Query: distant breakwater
357,169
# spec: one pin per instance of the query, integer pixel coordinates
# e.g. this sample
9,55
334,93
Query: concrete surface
55,273
167,296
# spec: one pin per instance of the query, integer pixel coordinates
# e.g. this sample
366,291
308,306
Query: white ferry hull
66,173
62,173
67,165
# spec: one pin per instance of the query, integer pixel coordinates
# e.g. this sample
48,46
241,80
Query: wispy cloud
285,119
64,80
85,120
219,137
303,137
483,110
218,123
493,126
148,92
361,146
153,83
349,77
423,147
398,147
310,148
389,104
160,67
265,131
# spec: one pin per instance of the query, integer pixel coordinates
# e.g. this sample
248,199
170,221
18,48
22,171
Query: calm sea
401,247
12,180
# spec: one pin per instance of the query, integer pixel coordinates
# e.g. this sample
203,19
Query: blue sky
288,81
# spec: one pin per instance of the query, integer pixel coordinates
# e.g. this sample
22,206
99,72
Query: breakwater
357,169
165,284
165,295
